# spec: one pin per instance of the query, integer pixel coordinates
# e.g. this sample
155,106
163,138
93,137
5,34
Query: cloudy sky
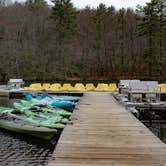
94,3
116,3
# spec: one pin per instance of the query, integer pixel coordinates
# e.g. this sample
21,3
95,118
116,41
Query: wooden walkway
103,134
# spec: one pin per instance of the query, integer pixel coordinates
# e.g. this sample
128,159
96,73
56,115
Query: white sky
117,3
94,3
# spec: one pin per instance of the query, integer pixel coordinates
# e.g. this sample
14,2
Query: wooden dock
103,133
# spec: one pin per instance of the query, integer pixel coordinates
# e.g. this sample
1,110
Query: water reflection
158,128
18,149
23,150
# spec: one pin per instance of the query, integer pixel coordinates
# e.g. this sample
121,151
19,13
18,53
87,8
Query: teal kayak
67,105
56,97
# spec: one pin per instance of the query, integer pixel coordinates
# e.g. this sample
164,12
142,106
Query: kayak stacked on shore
42,116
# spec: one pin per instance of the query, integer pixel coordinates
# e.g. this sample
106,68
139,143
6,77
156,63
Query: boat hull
36,131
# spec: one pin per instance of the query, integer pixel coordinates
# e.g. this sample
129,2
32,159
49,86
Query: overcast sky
94,3
117,3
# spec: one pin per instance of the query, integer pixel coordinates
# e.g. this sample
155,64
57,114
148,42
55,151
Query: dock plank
104,133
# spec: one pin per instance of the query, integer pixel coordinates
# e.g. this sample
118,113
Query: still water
158,128
18,149
155,120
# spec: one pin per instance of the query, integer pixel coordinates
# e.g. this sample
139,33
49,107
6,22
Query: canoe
19,126
67,105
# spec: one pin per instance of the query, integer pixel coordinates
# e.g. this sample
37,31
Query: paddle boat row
69,87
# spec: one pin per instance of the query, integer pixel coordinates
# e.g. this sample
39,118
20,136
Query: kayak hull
66,98
28,129
66,105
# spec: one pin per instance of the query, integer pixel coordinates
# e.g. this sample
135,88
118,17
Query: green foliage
82,44
111,10
98,19
35,4
148,27
151,27
64,16
121,15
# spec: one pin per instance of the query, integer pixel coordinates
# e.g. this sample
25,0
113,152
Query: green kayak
35,119
43,108
42,121
43,113
19,126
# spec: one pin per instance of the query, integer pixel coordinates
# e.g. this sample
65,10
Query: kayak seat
35,110
16,112
2,115
6,116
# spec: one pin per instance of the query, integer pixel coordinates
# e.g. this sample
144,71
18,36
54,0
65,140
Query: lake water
156,121
19,149
158,128
22,150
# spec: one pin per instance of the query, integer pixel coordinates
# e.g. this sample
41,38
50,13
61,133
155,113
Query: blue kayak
56,97
67,105
66,98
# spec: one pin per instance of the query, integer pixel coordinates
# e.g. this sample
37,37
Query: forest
41,42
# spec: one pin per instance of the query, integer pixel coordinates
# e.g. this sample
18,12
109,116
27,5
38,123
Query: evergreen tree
35,4
149,28
64,15
63,18
161,9
99,20
121,35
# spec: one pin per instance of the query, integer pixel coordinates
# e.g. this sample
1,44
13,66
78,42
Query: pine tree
161,8
64,15
99,31
121,35
63,18
35,4
149,28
